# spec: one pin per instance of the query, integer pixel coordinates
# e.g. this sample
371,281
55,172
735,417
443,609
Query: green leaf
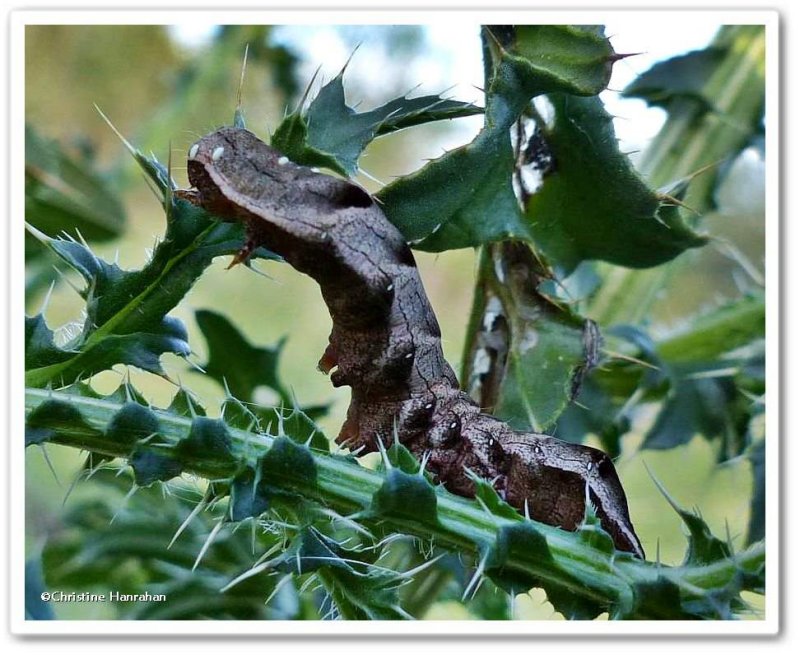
592,534
359,589
150,466
40,347
185,404
236,364
712,333
531,352
543,361
705,372
711,406
126,320
333,135
400,457
661,597
685,76
309,551
372,595
488,496
594,205
64,194
703,547
248,498
465,198
575,59
129,554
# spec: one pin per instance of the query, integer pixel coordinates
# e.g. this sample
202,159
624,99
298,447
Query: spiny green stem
577,566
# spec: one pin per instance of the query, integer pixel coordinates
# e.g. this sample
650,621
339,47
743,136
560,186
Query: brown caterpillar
386,344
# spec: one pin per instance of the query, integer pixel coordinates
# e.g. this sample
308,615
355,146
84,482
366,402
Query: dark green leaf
235,363
465,198
40,349
685,76
372,595
309,551
333,135
575,59
543,361
358,589
126,310
298,424
703,547
150,466
594,205
486,493
711,406
248,498
591,533
400,457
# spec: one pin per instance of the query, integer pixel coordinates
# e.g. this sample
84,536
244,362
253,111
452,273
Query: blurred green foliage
158,93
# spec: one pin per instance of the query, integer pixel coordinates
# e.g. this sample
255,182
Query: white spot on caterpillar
537,450
217,154
491,441
453,425
390,287
409,355
429,406
283,161
589,467
193,150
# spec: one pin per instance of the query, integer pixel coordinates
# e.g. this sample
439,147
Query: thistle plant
251,515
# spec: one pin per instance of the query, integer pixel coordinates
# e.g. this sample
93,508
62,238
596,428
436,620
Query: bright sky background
455,63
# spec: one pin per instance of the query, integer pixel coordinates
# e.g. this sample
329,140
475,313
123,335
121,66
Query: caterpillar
385,342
